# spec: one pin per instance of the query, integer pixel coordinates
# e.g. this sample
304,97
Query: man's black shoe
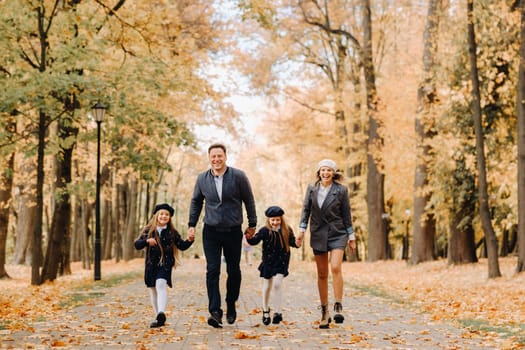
215,320
231,314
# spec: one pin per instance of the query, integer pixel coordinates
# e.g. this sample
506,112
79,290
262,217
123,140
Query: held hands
299,240
151,242
352,245
191,234
249,232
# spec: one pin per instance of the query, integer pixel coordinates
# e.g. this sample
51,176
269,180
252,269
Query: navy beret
274,211
164,206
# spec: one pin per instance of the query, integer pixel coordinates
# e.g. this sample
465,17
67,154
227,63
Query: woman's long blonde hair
285,233
153,233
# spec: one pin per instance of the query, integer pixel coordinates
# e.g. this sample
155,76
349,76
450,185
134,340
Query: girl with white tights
162,243
272,285
158,296
277,239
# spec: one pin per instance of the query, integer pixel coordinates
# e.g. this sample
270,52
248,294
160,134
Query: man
223,190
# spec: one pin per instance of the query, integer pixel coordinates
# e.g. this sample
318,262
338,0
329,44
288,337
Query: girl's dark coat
154,269
275,258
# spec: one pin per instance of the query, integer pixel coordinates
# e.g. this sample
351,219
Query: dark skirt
156,272
269,270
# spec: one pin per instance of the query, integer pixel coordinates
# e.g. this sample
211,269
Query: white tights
273,285
159,296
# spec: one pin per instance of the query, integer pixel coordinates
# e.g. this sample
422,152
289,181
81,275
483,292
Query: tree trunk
26,211
424,224
6,185
85,234
490,237
461,246
131,222
36,241
74,246
120,223
59,237
504,250
147,201
521,145
377,247
340,117
461,241
107,232
356,165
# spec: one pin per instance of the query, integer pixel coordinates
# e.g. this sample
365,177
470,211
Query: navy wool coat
154,267
275,258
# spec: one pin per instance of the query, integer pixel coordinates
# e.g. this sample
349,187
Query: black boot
160,321
266,317
277,318
338,309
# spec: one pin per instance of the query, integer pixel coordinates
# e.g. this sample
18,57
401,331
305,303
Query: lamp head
98,111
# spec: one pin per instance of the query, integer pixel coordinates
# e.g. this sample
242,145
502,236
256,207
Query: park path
118,318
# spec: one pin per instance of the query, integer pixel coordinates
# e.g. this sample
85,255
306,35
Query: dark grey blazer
330,223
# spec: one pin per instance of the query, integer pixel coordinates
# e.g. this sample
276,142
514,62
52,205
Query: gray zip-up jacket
236,190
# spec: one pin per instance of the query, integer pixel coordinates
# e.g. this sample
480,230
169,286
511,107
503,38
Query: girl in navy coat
162,242
277,239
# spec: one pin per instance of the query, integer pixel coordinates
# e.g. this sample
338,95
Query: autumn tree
461,246
520,4
329,47
377,245
72,69
7,127
454,198
424,225
490,237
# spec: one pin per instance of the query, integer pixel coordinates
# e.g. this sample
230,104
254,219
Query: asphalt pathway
118,318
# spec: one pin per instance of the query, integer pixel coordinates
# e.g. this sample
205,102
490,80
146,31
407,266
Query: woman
327,207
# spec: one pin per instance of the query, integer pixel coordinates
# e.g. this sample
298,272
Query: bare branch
306,105
327,28
116,7
26,58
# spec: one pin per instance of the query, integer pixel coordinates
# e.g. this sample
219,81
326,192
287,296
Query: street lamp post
98,111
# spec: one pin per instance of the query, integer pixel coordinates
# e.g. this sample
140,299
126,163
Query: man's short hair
217,145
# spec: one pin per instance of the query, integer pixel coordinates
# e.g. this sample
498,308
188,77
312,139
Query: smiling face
217,158
326,174
275,222
163,217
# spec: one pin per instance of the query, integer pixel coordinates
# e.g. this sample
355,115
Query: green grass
92,289
515,331
378,292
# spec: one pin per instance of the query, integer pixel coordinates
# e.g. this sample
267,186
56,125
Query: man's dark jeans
216,242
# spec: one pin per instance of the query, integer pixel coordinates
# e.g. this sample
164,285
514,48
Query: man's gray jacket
227,212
